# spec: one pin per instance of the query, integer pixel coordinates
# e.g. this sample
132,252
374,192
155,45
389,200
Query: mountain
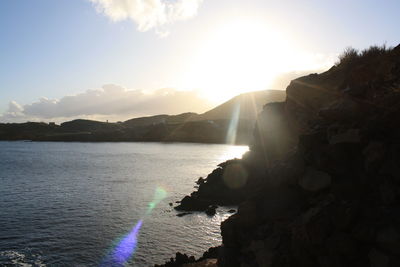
248,105
230,122
151,120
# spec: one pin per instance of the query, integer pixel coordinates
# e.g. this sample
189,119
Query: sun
235,57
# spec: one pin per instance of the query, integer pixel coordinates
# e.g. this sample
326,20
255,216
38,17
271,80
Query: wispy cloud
111,102
148,14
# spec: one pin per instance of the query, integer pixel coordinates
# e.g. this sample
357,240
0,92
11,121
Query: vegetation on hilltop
351,55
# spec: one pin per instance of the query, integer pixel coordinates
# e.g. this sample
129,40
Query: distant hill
146,121
86,126
210,127
250,104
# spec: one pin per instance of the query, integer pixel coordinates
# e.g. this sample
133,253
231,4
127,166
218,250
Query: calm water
68,204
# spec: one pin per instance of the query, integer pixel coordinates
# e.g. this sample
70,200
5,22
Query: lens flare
126,247
235,176
159,195
231,135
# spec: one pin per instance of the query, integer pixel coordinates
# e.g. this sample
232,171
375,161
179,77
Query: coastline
319,186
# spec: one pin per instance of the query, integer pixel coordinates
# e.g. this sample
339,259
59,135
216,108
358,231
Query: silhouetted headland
320,185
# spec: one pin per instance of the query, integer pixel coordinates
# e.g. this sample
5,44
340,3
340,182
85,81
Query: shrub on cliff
351,55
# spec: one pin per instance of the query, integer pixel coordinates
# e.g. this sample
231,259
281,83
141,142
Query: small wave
20,259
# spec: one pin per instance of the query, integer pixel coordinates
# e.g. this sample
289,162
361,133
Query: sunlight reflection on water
232,152
80,197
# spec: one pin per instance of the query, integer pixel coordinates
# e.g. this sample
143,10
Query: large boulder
192,203
314,180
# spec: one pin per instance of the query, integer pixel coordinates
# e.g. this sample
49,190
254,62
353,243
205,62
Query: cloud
14,107
14,112
148,14
110,102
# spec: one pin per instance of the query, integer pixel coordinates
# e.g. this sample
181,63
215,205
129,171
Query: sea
104,204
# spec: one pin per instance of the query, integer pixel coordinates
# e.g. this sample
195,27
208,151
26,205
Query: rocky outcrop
322,183
340,183
230,184
209,259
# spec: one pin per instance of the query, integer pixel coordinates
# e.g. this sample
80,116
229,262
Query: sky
118,59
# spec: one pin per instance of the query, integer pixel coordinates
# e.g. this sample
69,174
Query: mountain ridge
208,127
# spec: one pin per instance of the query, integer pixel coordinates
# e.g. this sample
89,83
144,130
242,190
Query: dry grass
352,56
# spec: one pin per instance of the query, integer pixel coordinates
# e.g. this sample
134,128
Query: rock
235,176
183,214
374,154
287,171
374,151
273,133
349,136
378,259
211,253
305,96
316,227
357,91
179,261
389,239
343,110
342,160
388,193
314,180
209,259
211,210
341,244
203,263
364,232
200,181
263,256
248,214
228,232
343,215
183,258
192,203
229,257
322,175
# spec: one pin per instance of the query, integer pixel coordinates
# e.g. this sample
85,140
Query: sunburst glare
125,248
238,56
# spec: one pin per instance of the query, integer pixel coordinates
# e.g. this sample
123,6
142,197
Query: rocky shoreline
320,185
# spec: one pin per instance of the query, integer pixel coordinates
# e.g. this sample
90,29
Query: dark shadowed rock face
322,177
344,171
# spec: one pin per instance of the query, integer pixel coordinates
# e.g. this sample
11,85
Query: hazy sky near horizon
114,58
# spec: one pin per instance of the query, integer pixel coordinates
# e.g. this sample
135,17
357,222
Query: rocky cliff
321,183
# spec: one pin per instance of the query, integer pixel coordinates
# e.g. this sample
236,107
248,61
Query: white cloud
14,112
110,102
14,107
148,14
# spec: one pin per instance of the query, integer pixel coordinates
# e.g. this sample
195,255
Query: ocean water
73,204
